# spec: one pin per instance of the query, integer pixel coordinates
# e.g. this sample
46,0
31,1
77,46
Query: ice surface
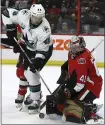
10,83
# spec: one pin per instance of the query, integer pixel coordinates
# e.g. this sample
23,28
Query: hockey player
14,30
81,84
37,43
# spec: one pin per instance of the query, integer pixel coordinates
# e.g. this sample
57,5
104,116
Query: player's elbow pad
6,17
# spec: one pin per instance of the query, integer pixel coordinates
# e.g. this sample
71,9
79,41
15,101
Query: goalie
80,84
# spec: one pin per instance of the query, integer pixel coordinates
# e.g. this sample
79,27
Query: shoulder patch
81,61
24,12
6,13
15,13
45,29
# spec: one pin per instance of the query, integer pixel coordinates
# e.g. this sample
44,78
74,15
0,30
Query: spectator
7,3
52,18
64,28
64,10
86,29
54,10
92,16
25,4
53,28
59,21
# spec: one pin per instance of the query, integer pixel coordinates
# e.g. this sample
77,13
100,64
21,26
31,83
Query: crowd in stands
63,14
92,16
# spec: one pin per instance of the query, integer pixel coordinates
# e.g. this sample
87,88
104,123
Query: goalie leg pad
73,112
77,111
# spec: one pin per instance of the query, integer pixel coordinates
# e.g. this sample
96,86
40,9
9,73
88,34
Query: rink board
50,63
60,50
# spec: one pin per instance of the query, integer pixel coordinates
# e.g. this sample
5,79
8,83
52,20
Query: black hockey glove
37,64
11,30
16,48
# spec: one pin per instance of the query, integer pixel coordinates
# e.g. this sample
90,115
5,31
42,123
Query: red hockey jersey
86,72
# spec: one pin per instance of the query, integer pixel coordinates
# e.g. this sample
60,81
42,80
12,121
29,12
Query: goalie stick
97,45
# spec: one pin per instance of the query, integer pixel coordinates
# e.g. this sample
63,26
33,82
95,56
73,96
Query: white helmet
37,13
75,40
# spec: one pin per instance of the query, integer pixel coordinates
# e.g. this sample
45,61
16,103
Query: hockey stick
97,45
32,64
6,46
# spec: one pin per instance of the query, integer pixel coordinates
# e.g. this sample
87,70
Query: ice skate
96,107
19,101
26,103
95,119
34,107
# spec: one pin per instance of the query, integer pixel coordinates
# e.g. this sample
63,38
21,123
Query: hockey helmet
37,13
77,44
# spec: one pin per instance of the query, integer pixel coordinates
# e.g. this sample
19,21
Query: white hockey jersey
34,37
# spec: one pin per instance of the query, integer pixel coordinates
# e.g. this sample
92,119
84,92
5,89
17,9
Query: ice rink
10,83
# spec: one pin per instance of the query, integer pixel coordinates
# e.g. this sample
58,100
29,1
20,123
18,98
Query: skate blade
63,118
18,105
36,111
23,109
99,121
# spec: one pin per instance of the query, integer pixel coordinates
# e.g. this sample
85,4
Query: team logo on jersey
46,29
81,61
30,43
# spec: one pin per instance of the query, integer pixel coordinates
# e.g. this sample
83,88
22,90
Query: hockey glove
11,30
37,64
69,93
16,48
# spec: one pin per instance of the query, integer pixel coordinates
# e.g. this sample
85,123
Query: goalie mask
37,13
77,45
